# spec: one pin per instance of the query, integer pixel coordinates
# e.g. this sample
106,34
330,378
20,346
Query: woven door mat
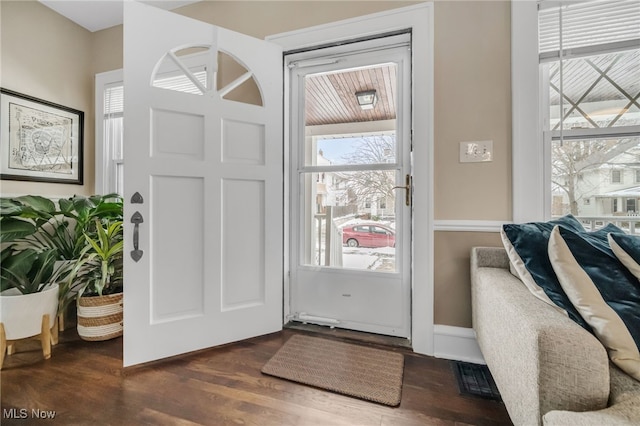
348,369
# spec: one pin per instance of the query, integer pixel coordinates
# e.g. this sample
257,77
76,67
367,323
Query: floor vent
475,380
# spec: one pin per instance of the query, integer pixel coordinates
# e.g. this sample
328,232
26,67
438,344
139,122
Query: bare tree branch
371,185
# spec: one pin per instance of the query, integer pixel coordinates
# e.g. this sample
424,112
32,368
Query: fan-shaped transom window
200,69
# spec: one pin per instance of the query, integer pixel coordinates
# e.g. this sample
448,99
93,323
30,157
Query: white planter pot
21,314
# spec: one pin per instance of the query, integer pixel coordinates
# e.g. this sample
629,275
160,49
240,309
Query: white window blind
579,26
114,99
113,136
182,83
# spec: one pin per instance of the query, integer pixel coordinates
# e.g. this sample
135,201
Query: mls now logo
23,413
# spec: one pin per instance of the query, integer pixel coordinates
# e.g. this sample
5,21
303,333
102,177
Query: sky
336,149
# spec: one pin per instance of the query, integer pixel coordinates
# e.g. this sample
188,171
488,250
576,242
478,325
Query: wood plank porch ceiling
330,97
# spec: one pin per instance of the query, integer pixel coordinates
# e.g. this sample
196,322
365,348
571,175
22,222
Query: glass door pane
350,220
350,167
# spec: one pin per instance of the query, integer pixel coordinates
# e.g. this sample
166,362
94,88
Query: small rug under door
354,370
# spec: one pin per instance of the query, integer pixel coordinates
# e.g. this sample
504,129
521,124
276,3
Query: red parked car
368,235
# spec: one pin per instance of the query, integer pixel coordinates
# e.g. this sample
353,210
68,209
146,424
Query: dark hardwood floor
84,384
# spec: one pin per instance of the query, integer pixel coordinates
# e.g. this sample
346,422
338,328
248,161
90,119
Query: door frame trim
419,19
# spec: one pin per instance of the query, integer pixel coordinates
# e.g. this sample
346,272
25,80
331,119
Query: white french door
351,186
203,185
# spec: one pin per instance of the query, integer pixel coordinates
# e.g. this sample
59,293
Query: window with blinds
584,26
590,71
113,136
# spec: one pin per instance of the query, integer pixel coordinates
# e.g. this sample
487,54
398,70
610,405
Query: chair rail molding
469,225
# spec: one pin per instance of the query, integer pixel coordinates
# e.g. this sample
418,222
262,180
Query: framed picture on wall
39,140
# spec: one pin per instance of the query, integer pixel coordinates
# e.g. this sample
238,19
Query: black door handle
136,219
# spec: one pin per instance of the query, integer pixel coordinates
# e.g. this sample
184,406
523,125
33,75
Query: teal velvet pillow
526,245
627,250
602,289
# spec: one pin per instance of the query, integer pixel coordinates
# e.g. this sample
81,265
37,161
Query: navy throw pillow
526,245
602,289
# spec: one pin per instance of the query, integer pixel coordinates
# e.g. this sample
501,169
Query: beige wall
452,274
49,57
472,101
107,49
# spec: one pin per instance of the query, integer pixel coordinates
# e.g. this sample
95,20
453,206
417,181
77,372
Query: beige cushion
584,295
624,257
626,413
623,386
513,270
517,266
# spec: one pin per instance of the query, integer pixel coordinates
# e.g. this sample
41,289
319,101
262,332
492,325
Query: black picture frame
40,141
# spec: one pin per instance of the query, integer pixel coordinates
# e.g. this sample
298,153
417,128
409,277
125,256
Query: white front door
203,185
351,186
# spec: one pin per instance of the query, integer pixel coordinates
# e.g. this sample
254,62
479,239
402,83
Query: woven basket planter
100,317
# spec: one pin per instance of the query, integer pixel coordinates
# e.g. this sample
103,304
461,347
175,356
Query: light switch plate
476,151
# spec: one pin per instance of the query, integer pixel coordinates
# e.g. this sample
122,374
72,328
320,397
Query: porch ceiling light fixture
367,99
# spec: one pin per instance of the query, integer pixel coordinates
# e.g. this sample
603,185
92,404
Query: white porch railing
630,223
332,243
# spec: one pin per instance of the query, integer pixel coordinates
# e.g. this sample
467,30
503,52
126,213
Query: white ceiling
95,15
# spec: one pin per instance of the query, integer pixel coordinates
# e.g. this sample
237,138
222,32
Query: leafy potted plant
29,297
33,221
100,273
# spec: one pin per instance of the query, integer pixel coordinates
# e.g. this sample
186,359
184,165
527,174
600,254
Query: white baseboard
456,343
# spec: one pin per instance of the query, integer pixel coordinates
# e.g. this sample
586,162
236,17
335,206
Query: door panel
243,274
345,296
209,169
171,126
242,142
169,194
